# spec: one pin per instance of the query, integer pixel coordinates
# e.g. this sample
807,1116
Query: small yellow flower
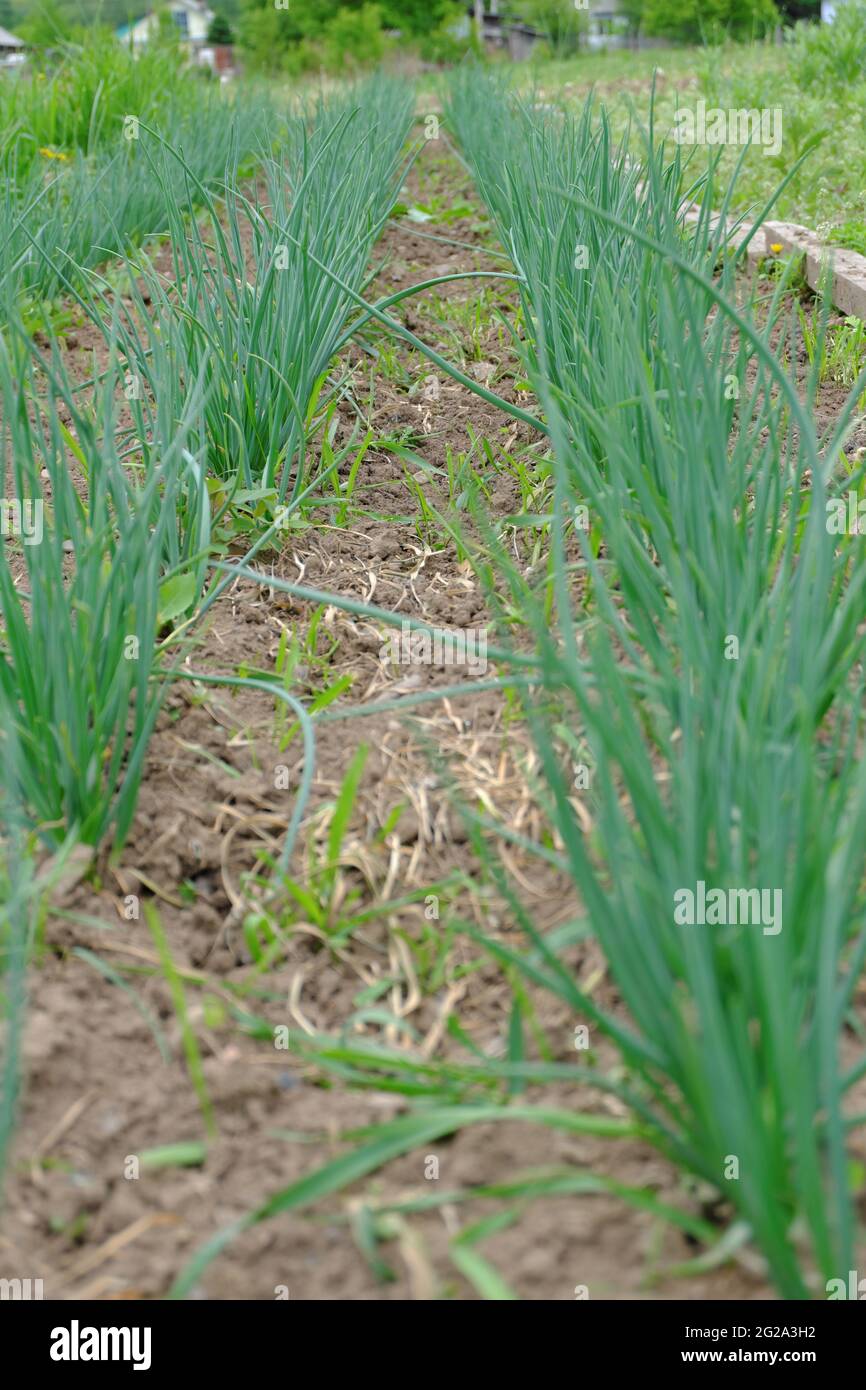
54,154
775,247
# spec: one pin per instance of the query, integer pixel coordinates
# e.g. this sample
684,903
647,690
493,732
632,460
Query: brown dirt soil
98,1089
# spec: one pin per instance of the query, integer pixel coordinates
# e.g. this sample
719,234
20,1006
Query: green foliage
442,46
20,897
335,35
47,16
78,650
48,25
219,30
834,53
264,33
704,764
248,309
354,39
696,20
81,104
709,765
73,188
419,17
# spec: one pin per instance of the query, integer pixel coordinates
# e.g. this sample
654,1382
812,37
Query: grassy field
821,116
431,690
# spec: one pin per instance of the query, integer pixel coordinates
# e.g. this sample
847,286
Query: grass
191,1049
837,348
80,182
82,102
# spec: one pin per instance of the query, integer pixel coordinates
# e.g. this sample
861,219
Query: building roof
196,6
8,40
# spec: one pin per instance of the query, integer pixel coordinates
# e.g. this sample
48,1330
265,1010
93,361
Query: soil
104,1073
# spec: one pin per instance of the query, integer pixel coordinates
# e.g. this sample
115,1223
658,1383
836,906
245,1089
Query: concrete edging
848,267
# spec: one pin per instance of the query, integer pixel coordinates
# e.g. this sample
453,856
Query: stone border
848,267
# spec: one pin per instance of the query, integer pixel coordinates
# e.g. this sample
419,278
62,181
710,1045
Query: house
493,29
192,18
829,10
520,40
13,52
607,27
220,58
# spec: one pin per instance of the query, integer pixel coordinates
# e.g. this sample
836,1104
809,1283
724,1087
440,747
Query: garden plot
200,758
397,934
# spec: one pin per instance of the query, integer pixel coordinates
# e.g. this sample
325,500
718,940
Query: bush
80,102
312,34
220,31
260,36
713,20
442,45
831,52
354,38
47,26
301,58
421,18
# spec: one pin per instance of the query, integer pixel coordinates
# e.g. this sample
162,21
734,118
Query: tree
415,18
6,16
354,38
632,10
219,30
695,20
311,33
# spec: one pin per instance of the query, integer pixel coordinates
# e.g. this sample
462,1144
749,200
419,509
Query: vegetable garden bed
276,880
